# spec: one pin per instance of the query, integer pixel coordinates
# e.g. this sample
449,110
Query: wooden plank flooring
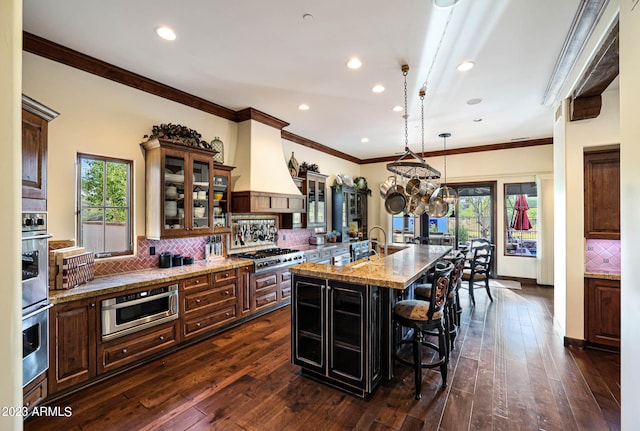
509,371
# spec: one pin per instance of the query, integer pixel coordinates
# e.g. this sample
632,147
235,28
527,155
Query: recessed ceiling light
444,4
474,101
166,33
465,65
354,63
378,88
397,108
303,107
307,17
477,120
364,140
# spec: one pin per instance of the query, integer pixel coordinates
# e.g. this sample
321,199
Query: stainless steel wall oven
133,312
35,303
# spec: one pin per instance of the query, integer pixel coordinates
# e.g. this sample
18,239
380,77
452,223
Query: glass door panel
174,191
320,205
220,200
200,216
311,208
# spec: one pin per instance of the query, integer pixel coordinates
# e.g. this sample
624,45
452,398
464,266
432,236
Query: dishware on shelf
198,212
202,194
217,210
217,196
171,192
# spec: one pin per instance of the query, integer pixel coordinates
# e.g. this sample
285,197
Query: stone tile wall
603,256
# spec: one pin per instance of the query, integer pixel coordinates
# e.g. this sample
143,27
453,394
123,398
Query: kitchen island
341,316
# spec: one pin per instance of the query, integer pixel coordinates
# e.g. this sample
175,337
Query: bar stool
424,316
452,310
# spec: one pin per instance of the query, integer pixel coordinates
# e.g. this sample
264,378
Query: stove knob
28,221
258,265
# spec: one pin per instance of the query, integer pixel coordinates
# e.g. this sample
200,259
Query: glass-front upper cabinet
316,216
181,191
221,198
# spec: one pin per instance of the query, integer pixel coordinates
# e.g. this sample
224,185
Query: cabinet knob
161,337
197,281
124,351
93,305
198,324
226,292
197,301
226,314
226,275
27,404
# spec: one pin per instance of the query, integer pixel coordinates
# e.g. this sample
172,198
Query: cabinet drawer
136,346
196,282
266,299
266,281
35,395
312,256
210,297
225,276
325,253
198,324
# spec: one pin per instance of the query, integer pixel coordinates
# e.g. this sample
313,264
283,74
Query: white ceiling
264,55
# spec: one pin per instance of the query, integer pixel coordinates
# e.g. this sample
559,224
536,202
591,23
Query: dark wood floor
509,371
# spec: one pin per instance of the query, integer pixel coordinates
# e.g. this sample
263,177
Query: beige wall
102,117
630,196
504,166
10,174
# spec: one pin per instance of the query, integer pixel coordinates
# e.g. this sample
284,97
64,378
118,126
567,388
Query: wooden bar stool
452,309
424,316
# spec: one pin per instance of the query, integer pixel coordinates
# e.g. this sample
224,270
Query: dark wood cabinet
265,202
73,337
34,393
35,119
244,292
349,206
602,312
337,333
314,188
208,303
187,194
602,194
125,350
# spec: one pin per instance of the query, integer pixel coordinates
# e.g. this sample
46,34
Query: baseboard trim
575,343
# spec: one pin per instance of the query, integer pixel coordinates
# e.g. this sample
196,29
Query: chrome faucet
371,241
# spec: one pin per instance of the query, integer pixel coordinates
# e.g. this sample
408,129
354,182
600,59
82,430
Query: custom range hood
263,183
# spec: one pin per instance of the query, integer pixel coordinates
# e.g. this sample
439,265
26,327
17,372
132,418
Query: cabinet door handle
161,337
198,324
124,351
226,314
197,301
226,292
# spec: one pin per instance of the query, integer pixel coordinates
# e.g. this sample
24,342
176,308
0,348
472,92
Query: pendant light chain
422,93
405,71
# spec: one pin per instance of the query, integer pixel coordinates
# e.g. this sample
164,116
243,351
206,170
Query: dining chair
479,269
422,316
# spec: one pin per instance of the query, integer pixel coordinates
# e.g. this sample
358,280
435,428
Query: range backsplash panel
603,256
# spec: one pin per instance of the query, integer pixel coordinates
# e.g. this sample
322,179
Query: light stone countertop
602,276
396,271
148,277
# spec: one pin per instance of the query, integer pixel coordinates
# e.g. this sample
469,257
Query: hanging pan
396,201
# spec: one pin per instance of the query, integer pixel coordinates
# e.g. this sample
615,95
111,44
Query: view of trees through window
104,205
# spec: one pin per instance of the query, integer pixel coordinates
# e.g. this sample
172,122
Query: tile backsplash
603,256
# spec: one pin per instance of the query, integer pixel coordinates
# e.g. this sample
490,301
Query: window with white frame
521,213
105,221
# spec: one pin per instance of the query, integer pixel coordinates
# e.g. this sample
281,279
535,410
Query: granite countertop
148,277
602,276
396,271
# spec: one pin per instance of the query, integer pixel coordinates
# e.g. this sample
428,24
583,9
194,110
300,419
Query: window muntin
521,219
104,205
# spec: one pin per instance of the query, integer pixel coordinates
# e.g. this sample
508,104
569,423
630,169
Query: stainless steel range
272,259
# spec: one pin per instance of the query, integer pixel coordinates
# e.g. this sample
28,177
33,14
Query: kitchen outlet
284,236
152,250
